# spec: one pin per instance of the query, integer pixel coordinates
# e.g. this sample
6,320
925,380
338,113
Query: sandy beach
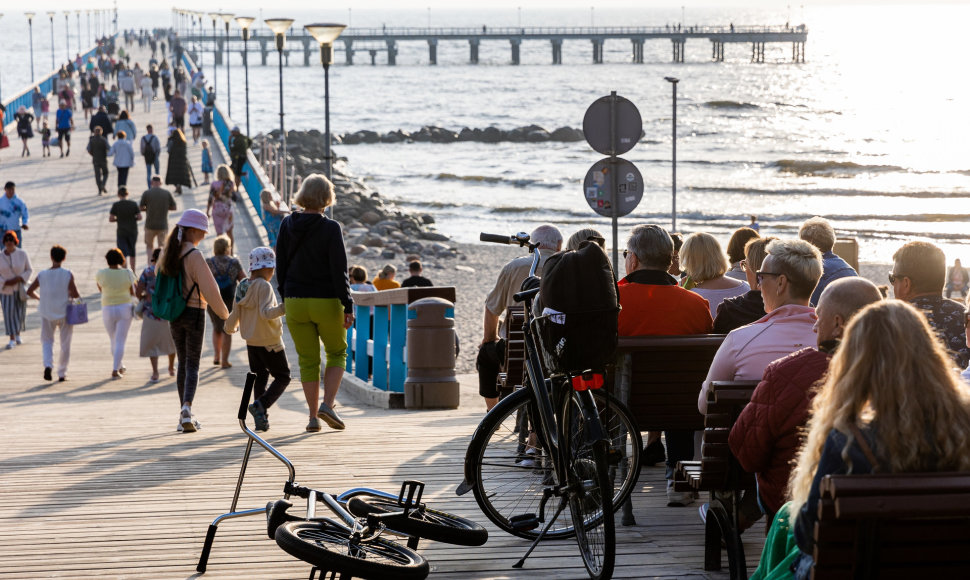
473,286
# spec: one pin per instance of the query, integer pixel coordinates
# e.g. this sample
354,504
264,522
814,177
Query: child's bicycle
561,437
351,546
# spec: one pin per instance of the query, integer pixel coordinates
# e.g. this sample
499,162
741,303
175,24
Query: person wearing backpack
227,271
183,304
151,150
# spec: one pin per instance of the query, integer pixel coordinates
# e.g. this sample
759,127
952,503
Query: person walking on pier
156,203
238,146
13,212
117,285
98,149
126,214
178,107
24,128
64,124
125,124
156,336
126,82
195,118
124,155
147,93
57,288
151,149
177,172
15,271
36,98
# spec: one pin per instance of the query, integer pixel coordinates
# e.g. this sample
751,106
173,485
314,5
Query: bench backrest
894,526
719,467
664,378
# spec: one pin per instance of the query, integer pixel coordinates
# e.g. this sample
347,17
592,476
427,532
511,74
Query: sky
237,5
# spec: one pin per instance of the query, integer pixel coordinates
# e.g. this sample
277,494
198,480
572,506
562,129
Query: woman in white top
195,118
15,270
57,287
705,263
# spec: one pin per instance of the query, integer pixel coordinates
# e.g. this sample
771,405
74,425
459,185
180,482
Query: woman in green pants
311,269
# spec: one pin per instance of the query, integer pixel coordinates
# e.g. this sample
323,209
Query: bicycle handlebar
247,393
495,238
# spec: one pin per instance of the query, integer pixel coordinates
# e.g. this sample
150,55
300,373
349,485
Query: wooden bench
898,525
659,379
513,369
719,473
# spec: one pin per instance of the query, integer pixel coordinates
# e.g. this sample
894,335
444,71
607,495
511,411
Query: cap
262,257
235,129
193,218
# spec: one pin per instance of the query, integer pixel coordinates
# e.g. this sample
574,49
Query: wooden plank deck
95,481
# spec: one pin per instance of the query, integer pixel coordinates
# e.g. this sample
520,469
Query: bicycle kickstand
559,510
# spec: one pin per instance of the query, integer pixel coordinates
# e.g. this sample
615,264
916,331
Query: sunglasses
761,275
894,277
625,253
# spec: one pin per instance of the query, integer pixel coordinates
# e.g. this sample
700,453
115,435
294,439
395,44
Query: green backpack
168,303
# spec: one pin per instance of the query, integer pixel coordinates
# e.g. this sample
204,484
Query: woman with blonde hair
311,270
891,403
222,197
228,271
704,261
385,278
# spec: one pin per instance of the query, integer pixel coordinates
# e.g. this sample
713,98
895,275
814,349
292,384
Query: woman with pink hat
181,254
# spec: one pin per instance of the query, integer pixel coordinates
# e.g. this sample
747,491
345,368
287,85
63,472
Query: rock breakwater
431,134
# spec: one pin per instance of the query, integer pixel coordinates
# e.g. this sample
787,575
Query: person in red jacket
652,303
765,437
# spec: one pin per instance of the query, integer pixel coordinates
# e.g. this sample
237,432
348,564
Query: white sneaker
11,344
187,422
18,340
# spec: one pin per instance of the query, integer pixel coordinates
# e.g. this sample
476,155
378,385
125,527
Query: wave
835,192
730,105
514,182
831,168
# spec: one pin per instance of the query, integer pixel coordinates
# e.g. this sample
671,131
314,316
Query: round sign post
613,186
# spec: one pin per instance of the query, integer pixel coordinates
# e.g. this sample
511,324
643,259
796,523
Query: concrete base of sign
424,395
370,395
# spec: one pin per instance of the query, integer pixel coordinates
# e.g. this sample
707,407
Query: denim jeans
101,175
188,332
680,447
148,170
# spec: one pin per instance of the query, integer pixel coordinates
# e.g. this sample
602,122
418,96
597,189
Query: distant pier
372,41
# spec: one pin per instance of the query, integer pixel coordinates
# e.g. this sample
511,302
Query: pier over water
372,41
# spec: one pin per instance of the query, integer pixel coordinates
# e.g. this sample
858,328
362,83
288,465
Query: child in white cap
256,314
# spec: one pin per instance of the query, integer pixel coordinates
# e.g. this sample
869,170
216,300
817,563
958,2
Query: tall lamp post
51,16
673,187
227,18
90,41
279,26
77,14
326,34
244,23
215,77
67,34
30,25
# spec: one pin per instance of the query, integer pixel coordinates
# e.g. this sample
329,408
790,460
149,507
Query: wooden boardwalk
95,481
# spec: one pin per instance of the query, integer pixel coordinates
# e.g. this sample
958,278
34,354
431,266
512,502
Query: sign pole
613,170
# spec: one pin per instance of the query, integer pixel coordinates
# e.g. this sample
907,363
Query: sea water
871,131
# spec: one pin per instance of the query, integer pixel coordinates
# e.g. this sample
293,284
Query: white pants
47,328
117,321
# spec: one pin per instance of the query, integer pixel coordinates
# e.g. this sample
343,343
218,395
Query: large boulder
492,135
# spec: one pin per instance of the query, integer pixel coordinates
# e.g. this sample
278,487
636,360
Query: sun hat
193,218
262,257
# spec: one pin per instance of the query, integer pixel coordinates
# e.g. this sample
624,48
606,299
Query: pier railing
46,84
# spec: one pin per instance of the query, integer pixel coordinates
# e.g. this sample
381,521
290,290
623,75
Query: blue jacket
123,153
13,213
128,127
833,268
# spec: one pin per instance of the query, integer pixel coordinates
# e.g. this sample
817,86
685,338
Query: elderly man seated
787,277
653,304
766,435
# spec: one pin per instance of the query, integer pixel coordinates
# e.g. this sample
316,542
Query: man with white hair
820,233
491,352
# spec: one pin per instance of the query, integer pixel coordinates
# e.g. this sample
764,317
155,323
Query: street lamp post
326,34
67,34
90,41
215,77
673,187
227,18
51,16
244,23
77,13
30,25
279,26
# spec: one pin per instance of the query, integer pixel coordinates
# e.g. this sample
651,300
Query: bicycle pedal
524,522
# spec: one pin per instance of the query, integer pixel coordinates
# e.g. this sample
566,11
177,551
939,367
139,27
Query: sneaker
330,416
702,510
11,344
48,374
19,341
61,379
314,425
259,416
187,421
531,458
678,498
653,454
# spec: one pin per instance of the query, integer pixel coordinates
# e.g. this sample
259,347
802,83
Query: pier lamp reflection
244,23
279,26
326,34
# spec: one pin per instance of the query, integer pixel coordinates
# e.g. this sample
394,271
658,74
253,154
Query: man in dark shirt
156,203
918,277
238,146
126,214
98,148
416,280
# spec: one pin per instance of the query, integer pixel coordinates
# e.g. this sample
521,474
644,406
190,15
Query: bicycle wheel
327,545
589,485
509,468
424,523
509,483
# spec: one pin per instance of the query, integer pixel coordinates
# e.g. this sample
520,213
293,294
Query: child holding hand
256,315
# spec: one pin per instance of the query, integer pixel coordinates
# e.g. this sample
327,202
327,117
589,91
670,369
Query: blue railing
25,98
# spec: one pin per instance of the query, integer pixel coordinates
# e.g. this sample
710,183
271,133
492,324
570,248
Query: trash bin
431,382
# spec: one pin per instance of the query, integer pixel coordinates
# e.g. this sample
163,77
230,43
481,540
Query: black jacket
101,119
98,148
738,311
311,261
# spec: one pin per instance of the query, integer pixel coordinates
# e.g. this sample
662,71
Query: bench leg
713,535
722,515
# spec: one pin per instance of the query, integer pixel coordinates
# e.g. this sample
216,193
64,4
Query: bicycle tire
589,485
425,523
499,481
325,544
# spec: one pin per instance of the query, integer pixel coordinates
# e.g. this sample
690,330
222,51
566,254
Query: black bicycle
561,437
353,545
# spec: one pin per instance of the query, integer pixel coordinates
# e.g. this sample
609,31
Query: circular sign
612,125
613,181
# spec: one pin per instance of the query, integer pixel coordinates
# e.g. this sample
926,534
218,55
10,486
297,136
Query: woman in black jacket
178,172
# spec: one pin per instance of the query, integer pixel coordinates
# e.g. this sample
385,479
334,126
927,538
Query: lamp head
29,15
325,33
279,25
672,80
50,14
244,23
215,17
226,17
